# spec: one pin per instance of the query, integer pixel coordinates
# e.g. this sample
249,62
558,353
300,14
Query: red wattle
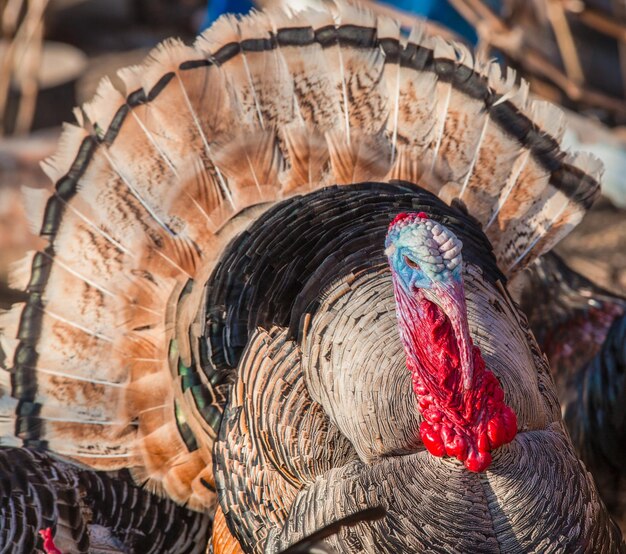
48,541
464,423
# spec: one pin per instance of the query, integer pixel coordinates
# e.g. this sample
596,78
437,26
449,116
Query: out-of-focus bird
582,329
268,294
88,511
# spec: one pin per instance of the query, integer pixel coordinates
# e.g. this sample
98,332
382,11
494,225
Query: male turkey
582,330
256,298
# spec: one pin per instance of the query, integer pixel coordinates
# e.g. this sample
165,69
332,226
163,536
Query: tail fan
104,361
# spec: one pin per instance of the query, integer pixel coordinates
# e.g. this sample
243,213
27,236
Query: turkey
88,511
275,291
582,329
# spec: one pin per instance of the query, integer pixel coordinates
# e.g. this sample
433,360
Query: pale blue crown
430,245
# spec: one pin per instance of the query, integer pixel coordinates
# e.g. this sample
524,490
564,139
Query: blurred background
53,53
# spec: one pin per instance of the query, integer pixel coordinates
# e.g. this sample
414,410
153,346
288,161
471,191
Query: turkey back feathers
104,362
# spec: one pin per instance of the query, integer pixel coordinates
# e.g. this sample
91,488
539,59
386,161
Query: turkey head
462,402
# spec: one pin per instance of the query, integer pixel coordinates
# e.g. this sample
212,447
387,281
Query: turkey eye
412,264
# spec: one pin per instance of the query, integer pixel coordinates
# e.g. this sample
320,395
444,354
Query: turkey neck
461,401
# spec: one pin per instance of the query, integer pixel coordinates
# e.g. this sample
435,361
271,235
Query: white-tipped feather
131,77
223,31
549,118
35,201
413,131
20,271
546,234
8,345
552,210
508,87
59,164
79,115
10,320
103,107
441,49
387,28
587,162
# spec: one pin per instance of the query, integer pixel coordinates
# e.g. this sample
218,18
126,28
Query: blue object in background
439,11
220,7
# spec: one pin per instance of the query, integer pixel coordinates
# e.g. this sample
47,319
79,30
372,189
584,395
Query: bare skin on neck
461,401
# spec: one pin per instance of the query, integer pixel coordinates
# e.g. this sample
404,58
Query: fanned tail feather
103,363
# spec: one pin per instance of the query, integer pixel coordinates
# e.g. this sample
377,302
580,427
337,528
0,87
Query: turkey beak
450,297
